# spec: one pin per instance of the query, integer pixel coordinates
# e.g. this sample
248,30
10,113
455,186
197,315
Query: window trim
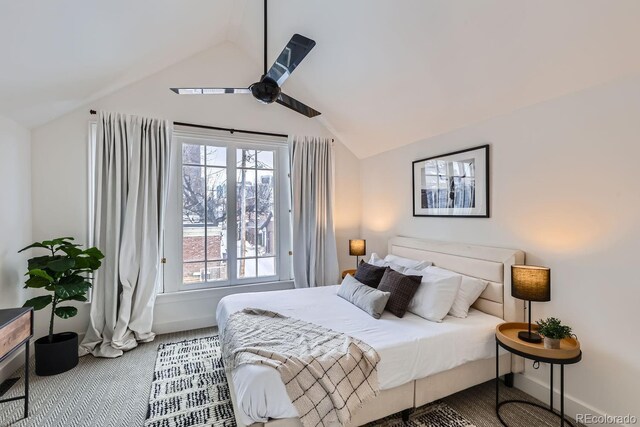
282,208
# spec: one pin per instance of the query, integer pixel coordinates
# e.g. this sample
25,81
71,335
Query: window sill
222,291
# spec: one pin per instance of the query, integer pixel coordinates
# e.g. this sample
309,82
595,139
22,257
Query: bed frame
488,263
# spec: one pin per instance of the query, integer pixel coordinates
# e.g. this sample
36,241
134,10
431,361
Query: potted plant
64,272
553,332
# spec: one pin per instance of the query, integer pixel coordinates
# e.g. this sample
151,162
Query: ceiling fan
267,90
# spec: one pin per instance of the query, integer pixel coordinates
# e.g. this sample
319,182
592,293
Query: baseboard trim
183,325
572,406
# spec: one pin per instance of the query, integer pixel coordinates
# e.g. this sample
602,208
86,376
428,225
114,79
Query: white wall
15,213
564,188
60,160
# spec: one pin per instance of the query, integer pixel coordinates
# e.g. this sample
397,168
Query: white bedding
410,348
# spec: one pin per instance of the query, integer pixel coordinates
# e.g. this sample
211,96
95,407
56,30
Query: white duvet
410,348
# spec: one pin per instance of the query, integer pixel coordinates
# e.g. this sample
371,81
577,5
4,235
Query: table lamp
530,283
357,248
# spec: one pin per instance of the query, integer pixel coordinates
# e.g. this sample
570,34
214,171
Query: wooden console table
16,329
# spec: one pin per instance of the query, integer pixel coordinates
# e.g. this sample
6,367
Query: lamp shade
357,247
531,283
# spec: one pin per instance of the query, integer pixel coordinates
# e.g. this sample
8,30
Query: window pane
430,167
246,158
266,215
246,213
266,267
216,196
193,190
193,242
216,156
192,154
265,159
193,272
216,270
246,268
216,243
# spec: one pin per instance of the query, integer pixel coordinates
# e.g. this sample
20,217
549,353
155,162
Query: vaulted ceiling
384,73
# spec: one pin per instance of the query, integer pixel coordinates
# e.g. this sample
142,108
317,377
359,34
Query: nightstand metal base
524,402
538,359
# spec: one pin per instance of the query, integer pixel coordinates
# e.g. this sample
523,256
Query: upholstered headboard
488,263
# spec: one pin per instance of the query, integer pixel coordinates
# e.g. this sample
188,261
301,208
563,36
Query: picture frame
454,185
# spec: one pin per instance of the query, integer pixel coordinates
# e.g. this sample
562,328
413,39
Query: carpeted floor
115,392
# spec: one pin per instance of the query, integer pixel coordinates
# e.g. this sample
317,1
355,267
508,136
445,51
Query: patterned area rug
190,389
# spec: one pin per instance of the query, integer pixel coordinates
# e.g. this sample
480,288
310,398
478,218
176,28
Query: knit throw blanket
328,375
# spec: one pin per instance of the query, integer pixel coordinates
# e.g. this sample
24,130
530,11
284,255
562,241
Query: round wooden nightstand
568,353
351,272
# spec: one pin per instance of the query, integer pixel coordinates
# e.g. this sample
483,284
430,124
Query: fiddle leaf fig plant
553,328
65,272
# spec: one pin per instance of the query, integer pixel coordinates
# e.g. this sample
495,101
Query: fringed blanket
327,374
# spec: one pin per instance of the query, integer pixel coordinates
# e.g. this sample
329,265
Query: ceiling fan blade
296,105
208,90
290,57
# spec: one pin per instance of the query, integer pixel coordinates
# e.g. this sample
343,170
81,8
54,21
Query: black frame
487,183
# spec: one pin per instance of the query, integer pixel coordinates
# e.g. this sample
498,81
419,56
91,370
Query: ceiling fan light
266,91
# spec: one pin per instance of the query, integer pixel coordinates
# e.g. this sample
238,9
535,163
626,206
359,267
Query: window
449,184
229,217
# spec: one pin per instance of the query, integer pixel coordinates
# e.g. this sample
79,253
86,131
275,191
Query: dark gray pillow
402,289
364,297
369,274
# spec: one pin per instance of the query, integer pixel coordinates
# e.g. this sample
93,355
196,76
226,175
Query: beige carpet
115,392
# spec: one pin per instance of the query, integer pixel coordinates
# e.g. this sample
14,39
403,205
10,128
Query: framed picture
452,185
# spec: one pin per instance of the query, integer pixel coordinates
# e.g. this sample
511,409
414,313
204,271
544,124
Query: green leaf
88,263
58,241
71,250
70,279
33,245
40,273
81,298
94,252
41,262
36,282
38,303
62,264
72,289
66,312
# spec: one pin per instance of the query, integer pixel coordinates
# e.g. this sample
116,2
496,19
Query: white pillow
435,295
379,262
406,262
376,260
470,290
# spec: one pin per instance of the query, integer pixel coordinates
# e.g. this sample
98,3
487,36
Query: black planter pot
58,356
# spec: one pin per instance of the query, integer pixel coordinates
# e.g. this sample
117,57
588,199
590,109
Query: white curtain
132,177
315,258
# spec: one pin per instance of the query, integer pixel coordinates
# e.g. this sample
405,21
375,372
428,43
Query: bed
421,361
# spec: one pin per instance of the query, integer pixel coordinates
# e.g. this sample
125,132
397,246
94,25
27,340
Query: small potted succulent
553,332
65,272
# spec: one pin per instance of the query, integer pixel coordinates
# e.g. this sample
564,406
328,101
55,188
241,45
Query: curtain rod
230,130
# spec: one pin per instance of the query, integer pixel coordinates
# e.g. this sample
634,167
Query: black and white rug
190,389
